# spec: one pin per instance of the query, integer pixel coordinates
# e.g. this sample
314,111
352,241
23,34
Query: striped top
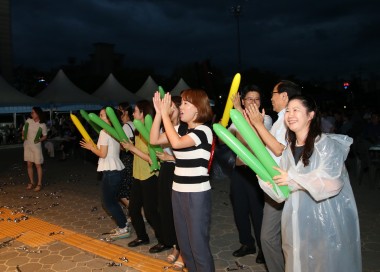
191,174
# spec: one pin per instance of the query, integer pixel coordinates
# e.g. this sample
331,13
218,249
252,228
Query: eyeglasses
274,92
250,99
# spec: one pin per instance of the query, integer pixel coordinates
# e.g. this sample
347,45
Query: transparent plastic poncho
320,224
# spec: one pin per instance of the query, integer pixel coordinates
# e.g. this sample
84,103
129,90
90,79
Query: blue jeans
111,183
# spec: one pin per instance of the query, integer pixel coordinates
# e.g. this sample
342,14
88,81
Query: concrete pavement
70,200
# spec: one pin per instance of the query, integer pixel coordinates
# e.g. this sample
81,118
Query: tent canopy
181,85
112,92
62,94
148,89
14,101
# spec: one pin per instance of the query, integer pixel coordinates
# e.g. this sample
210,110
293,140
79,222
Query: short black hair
250,88
289,87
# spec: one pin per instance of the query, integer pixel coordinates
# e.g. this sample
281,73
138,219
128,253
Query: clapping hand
166,104
157,102
254,115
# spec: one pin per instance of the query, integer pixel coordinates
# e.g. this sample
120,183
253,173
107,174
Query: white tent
147,89
181,85
112,92
13,101
62,94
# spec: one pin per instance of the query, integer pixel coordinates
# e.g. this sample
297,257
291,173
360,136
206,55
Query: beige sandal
38,188
30,186
178,266
171,258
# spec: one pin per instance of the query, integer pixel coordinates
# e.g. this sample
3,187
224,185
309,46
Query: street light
236,11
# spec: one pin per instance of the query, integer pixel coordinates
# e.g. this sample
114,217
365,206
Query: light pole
236,11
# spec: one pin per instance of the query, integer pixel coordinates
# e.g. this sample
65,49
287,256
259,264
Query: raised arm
175,140
236,100
157,138
256,120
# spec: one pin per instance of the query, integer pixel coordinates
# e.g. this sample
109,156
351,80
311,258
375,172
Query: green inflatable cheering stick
92,124
26,127
38,135
116,124
244,154
256,146
144,130
161,91
96,119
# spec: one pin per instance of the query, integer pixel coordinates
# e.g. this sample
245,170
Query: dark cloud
308,38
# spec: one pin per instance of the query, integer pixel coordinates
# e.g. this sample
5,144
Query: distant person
372,129
320,224
346,124
32,146
326,125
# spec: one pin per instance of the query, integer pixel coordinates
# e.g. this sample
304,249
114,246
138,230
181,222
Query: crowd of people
316,228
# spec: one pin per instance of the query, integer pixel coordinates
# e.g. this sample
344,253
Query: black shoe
159,248
138,242
260,257
244,250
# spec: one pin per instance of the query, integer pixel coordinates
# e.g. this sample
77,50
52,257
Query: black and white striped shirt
191,173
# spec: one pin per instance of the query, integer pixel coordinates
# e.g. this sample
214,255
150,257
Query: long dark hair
125,106
314,128
145,107
40,113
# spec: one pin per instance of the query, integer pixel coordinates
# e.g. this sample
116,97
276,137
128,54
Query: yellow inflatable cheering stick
233,90
81,129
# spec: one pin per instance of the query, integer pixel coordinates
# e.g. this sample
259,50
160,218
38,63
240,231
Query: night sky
311,39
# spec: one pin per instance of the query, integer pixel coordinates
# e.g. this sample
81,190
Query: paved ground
71,200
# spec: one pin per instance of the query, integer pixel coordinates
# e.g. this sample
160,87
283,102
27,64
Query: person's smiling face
297,117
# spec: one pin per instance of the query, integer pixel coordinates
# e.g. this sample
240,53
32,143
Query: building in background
104,60
5,40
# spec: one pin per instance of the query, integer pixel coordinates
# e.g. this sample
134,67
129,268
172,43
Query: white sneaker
119,233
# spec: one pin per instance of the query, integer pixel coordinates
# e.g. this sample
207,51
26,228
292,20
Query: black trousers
144,195
165,183
248,203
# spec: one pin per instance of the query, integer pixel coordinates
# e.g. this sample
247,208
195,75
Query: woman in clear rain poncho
320,225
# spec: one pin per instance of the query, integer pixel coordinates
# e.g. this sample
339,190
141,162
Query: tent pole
51,113
14,120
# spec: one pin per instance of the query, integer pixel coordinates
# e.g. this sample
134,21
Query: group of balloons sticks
116,130
260,161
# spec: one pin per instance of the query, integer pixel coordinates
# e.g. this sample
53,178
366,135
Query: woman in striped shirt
191,197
